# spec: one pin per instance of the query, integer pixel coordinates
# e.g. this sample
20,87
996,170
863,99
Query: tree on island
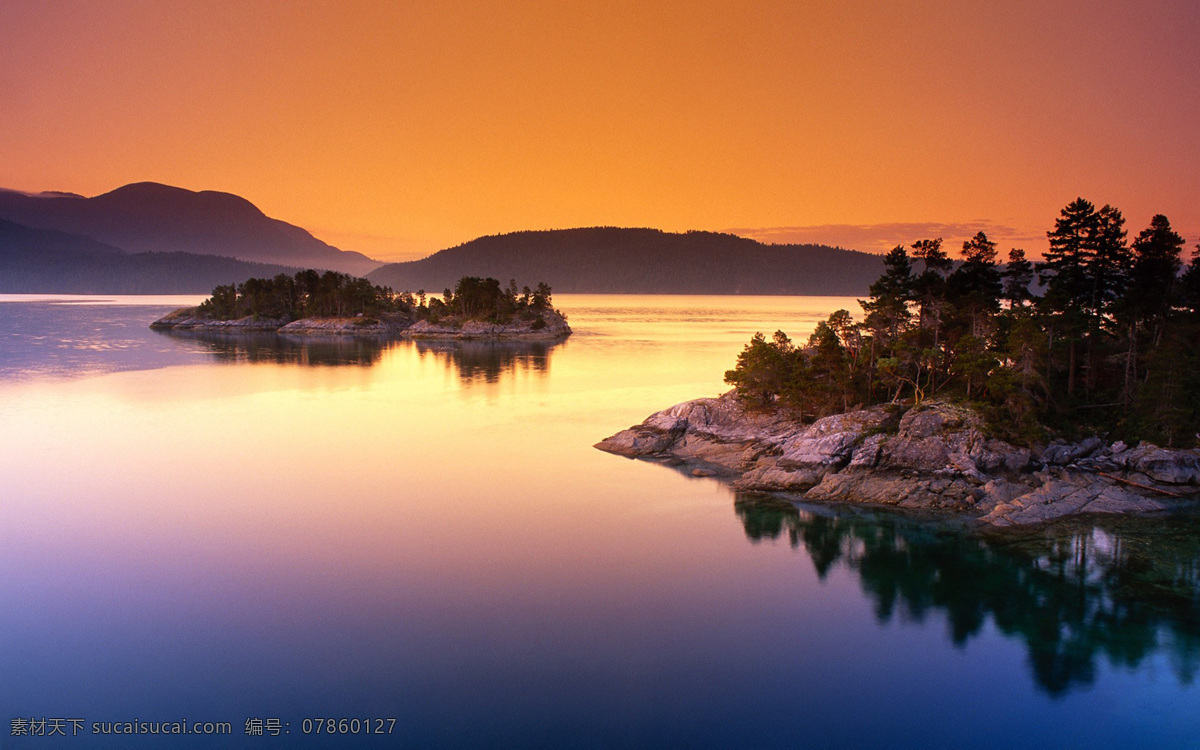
312,294
308,294
1110,346
475,298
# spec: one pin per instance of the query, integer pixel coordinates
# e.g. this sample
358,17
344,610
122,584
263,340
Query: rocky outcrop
936,456
1073,493
387,324
544,326
186,319
548,325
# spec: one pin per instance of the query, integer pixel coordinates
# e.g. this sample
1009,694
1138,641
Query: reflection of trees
473,361
488,361
1124,590
283,349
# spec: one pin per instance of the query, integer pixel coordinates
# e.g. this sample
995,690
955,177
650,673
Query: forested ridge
1109,344
643,261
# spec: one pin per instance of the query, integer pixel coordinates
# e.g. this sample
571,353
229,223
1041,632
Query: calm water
227,529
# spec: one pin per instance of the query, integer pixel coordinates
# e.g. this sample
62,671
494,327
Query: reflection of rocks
542,325
278,349
1072,594
489,361
932,457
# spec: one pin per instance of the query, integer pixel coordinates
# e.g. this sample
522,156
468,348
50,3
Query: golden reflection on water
397,463
430,527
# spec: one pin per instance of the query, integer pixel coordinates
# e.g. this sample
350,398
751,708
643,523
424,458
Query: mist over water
222,528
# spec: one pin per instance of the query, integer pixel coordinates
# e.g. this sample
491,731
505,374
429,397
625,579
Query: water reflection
1122,590
471,361
488,361
273,348
59,340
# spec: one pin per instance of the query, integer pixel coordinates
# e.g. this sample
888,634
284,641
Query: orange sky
400,128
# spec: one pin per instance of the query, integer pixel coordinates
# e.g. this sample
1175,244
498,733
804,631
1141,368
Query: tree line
307,294
1100,336
312,294
477,298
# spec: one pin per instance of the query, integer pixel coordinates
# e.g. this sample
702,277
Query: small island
337,304
969,390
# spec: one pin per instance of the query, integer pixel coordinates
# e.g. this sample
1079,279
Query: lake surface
229,530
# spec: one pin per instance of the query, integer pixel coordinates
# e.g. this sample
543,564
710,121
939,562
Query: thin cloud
879,238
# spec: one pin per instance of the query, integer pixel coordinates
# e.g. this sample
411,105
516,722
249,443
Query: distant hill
641,261
45,260
147,217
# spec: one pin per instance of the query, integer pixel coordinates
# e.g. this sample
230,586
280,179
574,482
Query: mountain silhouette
147,217
641,261
51,261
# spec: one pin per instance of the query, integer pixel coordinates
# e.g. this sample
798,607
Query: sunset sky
400,128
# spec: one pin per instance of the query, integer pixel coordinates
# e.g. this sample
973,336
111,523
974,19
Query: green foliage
1120,322
307,294
975,288
476,298
764,369
887,310
312,294
1018,276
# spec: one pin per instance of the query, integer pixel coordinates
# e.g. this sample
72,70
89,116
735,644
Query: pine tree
929,288
1018,276
1107,269
1066,283
765,369
1146,306
887,310
976,286
1152,277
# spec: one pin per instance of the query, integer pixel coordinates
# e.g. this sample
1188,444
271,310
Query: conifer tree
977,284
929,288
1067,287
1018,275
1153,274
1107,270
887,310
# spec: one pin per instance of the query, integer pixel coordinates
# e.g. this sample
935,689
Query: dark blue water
232,530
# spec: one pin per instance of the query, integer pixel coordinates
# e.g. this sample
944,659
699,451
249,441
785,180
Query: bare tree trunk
1130,368
1071,369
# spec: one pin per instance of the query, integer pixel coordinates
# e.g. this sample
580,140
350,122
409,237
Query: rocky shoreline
549,325
932,457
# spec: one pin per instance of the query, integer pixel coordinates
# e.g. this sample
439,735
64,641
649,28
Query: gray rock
996,456
1069,496
187,319
1063,454
383,325
719,430
1163,465
553,327
935,418
938,459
